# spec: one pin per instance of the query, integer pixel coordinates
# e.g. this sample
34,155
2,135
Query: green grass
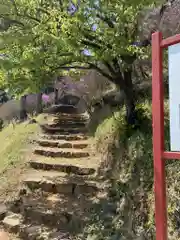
14,149
13,140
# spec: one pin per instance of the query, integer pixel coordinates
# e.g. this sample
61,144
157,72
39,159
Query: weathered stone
141,237
49,186
45,216
61,108
13,222
32,121
3,210
67,124
15,206
30,232
59,236
32,229
58,166
68,130
85,188
64,188
65,153
62,144
70,137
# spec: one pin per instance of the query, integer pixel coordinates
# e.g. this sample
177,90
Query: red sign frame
159,153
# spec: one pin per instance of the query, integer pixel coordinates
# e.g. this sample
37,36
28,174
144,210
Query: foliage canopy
41,39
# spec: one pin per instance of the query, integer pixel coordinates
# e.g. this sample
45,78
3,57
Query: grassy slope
13,143
129,167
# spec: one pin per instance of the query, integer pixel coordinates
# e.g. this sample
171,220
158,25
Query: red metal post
170,41
171,155
158,138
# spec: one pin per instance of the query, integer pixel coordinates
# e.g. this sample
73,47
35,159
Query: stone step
58,182
80,167
65,124
64,152
62,143
78,116
42,232
68,130
53,210
68,120
70,137
3,210
61,108
12,222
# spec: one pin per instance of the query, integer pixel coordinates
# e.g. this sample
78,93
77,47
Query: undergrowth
128,211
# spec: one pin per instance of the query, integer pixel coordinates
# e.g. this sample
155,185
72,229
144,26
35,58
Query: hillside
128,163
126,209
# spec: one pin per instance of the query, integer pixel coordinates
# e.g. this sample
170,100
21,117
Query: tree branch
29,17
11,21
65,54
90,66
41,9
110,68
72,67
106,20
103,73
21,15
92,37
60,66
92,44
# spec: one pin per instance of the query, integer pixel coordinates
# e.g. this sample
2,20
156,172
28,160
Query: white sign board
174,95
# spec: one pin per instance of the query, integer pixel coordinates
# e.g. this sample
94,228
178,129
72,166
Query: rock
59,236
61,108
85,188
32,229
22,191
13,222
3,210
32,121
140,237
31,232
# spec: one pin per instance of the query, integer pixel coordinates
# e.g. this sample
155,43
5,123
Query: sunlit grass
13,140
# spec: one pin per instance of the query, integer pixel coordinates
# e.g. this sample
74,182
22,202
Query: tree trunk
39,107
131,116
125,85
23,113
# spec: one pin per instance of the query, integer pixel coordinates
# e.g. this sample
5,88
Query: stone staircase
61,184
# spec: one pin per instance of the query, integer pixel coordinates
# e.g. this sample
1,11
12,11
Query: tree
48,37
33,51
109,31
